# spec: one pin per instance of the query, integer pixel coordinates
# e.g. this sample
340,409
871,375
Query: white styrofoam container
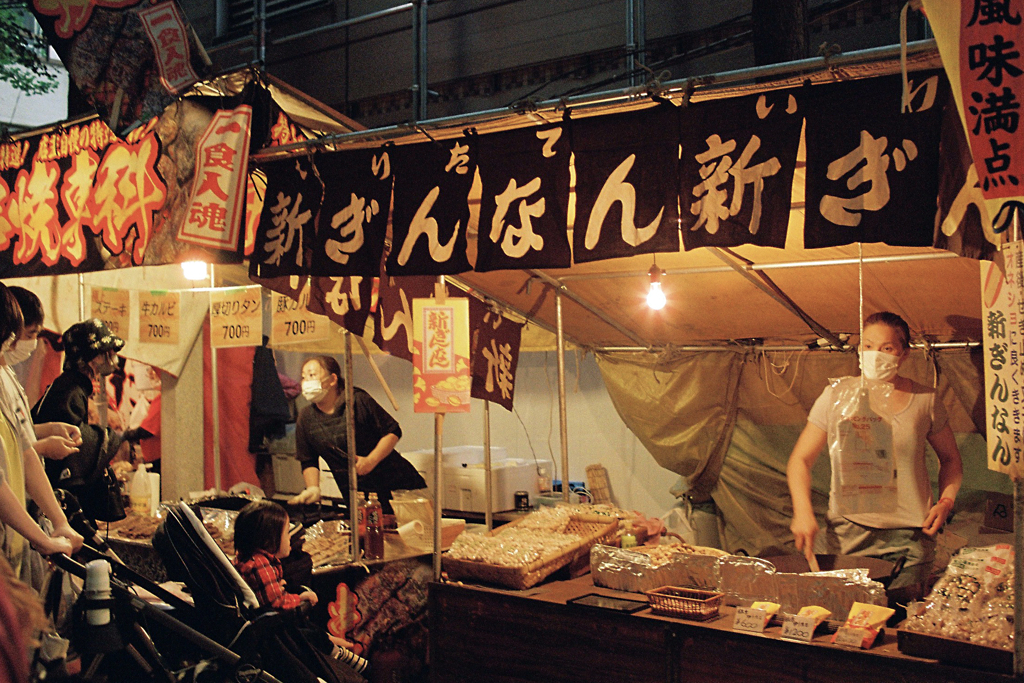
465,485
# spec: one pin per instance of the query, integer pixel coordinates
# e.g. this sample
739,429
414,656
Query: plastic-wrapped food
972,601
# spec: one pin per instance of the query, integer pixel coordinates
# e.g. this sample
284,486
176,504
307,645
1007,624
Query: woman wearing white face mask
917,418
320,431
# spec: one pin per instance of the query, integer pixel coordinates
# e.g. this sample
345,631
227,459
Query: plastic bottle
139,494
361,518
628,537
374,529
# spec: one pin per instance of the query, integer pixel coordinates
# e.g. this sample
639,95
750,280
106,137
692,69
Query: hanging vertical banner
169,39
354,217
440,374
431,212
236,317
347,301
872,171
738,161
217,202
980,45
287,225
1003,333
291,322
494,353
129,58
159,317
627,184
113,307
524,206
396,297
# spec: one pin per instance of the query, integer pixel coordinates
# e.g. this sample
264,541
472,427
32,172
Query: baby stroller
222,635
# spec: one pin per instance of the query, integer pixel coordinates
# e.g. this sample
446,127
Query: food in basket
327,543
686,603
661,555
515,547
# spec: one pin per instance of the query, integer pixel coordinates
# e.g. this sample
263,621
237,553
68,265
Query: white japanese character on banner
381,166
459,160
400,319
716,167
350,223
342,302
287,224
550,137
423,224
616,189
518,240
872,165
499,368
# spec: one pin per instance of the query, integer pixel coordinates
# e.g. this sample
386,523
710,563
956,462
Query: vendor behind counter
320,431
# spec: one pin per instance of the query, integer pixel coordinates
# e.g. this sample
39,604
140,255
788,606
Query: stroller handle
121,592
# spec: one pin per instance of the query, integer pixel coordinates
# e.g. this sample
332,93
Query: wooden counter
499,636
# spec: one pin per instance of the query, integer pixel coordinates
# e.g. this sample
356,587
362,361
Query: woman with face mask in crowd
90,353
917,417
320,431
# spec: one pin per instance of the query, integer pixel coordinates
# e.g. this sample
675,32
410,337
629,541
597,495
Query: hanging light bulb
655,296
194,270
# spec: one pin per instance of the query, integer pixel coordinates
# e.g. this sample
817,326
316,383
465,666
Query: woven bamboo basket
591,529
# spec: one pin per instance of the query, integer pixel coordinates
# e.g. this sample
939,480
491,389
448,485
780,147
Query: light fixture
194,270
655,296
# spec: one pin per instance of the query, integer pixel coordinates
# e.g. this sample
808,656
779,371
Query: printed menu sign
440,356
236,317
291,322
112,306
1003,328
159,317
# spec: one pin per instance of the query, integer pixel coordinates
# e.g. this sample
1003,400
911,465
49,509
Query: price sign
159,317
852,637
749,620
799,628
236,317
291,323
113,307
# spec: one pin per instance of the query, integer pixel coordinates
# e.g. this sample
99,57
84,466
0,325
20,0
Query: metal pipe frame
761,347
703,84
764,266
582,303
488,511
563,427
420,93
350,436
398,9
215,391
438,471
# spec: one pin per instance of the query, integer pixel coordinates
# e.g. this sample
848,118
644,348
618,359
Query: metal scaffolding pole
419,61
440,296
488,511
215,390
563,428
350,437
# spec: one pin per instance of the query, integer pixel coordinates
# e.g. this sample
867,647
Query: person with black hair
321,431
261,542
23,474
90,352
917,418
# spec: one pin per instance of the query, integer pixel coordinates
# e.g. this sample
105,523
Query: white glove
310,494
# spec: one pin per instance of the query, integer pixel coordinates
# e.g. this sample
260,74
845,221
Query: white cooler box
464,482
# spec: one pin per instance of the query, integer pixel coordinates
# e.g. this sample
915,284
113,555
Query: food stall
760,322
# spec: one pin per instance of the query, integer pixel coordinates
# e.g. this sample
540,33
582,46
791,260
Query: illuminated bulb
194,270
655,296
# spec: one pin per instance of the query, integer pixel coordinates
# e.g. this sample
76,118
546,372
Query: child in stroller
261,542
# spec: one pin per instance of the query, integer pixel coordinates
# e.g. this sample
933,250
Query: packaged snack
819,614
770,609
864,623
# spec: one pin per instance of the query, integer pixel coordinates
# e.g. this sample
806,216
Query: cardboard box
999,512
463,477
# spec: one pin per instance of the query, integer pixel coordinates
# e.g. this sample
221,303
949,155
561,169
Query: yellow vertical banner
291,322
113,307
236,317
159,317
1003,332
440,356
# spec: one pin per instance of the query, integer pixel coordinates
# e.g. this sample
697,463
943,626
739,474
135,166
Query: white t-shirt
924,416
14,404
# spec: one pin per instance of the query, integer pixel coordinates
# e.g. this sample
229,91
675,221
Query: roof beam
587,306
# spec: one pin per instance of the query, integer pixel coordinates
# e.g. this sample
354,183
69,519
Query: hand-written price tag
799,628
112,306
236,317
292,323
159,317
851,637
749,620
